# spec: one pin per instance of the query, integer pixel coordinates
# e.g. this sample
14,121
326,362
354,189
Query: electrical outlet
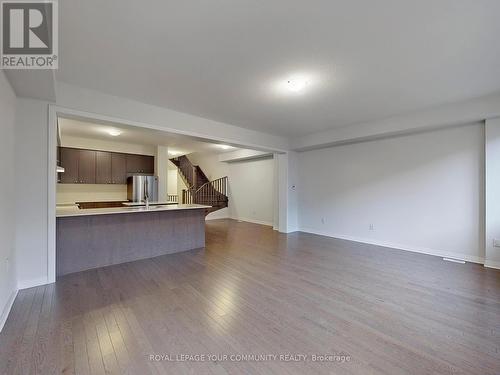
496,242
370,227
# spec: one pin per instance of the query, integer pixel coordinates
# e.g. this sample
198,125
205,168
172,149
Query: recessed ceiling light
114,132
224,147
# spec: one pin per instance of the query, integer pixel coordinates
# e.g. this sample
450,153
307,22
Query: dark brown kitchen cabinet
103,168
86,167
140,164
118,168
111,168
69,161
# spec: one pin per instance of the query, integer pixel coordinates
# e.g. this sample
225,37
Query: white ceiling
221,59
140,136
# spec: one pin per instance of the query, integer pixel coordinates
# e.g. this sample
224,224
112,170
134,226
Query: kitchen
117,201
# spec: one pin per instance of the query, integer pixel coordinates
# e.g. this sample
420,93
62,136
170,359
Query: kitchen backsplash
70,193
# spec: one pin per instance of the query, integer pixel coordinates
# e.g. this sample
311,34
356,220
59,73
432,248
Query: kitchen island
92,238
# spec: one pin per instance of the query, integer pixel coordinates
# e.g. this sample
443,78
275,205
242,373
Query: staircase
200,190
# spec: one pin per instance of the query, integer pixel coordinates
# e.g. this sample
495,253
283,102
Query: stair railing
187,196
212,193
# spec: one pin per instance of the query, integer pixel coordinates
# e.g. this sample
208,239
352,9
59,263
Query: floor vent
454,260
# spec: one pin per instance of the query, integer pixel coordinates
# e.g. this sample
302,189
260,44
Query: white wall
251,190
492,189
422,192
172,182
250,186
31,191
8,278
210,164
161,170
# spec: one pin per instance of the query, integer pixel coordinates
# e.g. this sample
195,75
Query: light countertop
75,211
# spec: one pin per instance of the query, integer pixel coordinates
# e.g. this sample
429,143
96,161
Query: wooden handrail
219,184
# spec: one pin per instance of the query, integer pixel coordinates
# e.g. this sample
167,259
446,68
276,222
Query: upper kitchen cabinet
111,168
69,161
103,169
140,164
118,168
87,167
79,166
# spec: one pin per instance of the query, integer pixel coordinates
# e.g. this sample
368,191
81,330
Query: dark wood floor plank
25,349
11,335
253,290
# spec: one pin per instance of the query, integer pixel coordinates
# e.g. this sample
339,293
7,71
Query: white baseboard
6,309
261,222
25,284
421,250
208,218
289,230
492,264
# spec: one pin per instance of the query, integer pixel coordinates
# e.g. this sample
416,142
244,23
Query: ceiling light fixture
224,147
297,84
114,132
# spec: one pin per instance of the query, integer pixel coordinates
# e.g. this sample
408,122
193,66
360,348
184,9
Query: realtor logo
29,35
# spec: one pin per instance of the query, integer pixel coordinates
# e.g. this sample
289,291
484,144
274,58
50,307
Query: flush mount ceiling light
295,84
114,132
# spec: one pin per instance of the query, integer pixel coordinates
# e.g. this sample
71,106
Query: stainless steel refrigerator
138,185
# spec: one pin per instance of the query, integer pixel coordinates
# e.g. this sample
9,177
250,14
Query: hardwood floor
255,291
